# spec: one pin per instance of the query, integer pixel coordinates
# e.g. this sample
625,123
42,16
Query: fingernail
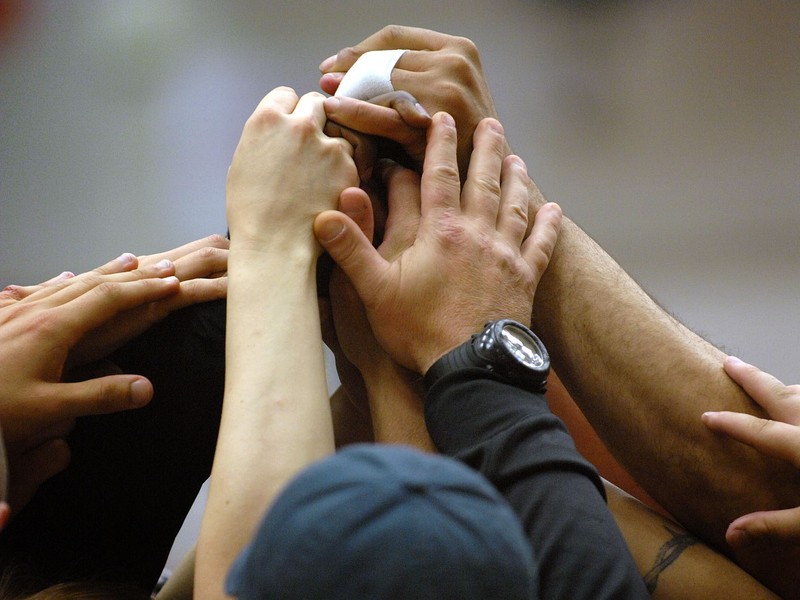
327,63
740,538
421,109
163,265
126,258
329,231
140,392
734,360
447,120
64,276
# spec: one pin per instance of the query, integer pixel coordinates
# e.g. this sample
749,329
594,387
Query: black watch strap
489,351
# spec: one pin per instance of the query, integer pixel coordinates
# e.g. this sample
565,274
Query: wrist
505,349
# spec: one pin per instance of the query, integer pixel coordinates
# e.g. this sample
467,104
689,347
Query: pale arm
276,415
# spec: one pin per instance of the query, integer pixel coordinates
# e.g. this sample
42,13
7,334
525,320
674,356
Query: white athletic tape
370,76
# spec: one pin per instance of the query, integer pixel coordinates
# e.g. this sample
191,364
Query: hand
460,259
442,72
778,437
37,332
396,116
200,266
285,171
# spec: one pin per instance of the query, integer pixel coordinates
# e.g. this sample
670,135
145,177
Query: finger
310,105
777,526
538,248
355,203
17,292
365,149
125,326
480,197
512,220
211,241
773,438
768,391
282,99
352,251
105,301
440,185
403,197
407,106
60,278
101,395
375,119
83,283
388,38
205,262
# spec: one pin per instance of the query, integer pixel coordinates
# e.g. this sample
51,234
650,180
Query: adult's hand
37,332
443,73
460,259
199,265
284,172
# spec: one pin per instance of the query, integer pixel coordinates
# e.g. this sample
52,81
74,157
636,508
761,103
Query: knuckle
217,241
263,117
518,214
446,172
488,186
390,33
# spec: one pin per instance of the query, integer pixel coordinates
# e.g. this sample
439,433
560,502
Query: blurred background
669,131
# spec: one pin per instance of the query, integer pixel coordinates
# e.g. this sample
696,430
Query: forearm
674,564
276,416
396,406
643,380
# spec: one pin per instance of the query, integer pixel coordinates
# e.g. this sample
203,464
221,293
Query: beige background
670,131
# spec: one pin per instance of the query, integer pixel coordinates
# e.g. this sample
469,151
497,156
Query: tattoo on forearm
667,554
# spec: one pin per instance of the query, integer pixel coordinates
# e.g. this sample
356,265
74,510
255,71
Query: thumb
100,395
346,244
773,527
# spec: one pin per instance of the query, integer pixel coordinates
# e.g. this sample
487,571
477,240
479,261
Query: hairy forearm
276,417
643,380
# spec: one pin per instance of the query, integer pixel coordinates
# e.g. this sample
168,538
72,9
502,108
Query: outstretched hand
778,436
450,260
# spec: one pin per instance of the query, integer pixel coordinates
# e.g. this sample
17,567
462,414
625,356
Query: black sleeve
512,438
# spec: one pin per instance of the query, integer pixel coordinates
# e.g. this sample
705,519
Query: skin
644,399
752,536
276,415
50,332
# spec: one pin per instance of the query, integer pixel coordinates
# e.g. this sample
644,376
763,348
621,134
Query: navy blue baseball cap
387,522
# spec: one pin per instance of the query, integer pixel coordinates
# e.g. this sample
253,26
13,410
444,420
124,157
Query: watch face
520,344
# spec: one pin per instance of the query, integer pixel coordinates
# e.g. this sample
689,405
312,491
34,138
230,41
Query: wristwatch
506,348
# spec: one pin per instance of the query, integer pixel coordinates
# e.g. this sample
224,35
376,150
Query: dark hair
18,584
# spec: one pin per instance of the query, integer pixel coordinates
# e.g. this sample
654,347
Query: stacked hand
450,261
285,171
64,323
442,72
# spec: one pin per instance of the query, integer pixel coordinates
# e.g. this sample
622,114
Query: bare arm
276,415
674,564
643,380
